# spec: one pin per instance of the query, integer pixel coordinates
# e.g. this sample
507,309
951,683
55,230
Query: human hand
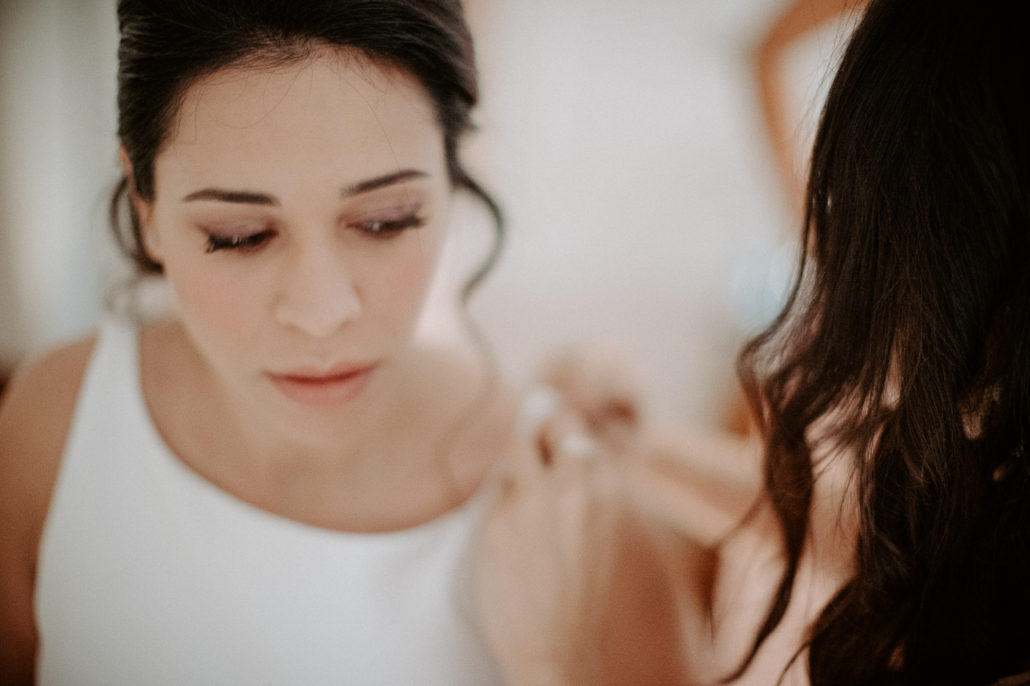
698,481
603,386
571,584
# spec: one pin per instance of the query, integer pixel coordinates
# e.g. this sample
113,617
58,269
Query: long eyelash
215,243
385,229
374,228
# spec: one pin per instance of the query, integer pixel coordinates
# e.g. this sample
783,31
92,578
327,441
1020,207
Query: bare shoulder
35,415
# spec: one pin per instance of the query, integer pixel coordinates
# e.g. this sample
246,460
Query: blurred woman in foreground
891,541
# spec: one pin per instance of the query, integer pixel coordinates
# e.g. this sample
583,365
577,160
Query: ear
144,209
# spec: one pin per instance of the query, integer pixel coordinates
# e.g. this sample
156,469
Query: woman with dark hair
891,541
905,350
275,483
904,353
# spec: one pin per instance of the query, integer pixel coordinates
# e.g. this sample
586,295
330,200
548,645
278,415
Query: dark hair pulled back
909,331
167,45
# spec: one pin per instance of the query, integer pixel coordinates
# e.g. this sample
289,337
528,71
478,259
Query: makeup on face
381,208
300,227
337,384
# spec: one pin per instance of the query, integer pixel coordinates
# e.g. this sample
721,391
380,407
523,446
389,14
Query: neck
389,458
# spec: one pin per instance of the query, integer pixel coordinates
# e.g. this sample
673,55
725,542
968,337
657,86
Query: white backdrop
623,139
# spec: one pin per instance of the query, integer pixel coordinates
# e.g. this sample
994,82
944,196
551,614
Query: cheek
401,286
214,306
413,275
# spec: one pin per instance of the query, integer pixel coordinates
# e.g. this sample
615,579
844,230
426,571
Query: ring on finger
576,445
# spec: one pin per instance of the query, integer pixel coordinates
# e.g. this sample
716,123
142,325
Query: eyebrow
254,198
381,181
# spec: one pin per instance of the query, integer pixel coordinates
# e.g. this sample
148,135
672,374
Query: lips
336,385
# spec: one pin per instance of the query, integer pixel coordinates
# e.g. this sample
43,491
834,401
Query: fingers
595,373
603,385
565,438
551,437
538,408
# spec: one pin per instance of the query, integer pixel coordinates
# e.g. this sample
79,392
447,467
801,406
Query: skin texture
586,577
658,567
34,419
581,585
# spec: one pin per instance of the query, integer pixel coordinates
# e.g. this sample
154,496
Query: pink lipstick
336,385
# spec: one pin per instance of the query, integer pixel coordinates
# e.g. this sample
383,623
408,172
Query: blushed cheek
217,308
404,286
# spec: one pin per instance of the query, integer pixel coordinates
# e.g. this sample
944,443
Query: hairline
277,56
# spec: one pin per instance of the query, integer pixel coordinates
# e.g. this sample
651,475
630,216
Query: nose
318,294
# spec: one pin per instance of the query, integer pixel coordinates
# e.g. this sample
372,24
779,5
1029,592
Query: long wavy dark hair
167,45
908,334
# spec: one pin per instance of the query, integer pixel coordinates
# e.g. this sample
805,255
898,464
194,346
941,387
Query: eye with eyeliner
243,242
379,225
388,225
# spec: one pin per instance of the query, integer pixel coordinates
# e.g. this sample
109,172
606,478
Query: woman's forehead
328,112
339,82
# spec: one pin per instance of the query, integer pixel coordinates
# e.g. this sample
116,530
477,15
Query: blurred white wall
623,139
57,153
626,142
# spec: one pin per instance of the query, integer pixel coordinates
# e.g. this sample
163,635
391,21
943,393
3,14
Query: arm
34,419
696,486
700,481
644,527
799,18
575,583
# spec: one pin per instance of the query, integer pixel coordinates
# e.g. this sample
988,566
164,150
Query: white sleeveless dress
148,574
